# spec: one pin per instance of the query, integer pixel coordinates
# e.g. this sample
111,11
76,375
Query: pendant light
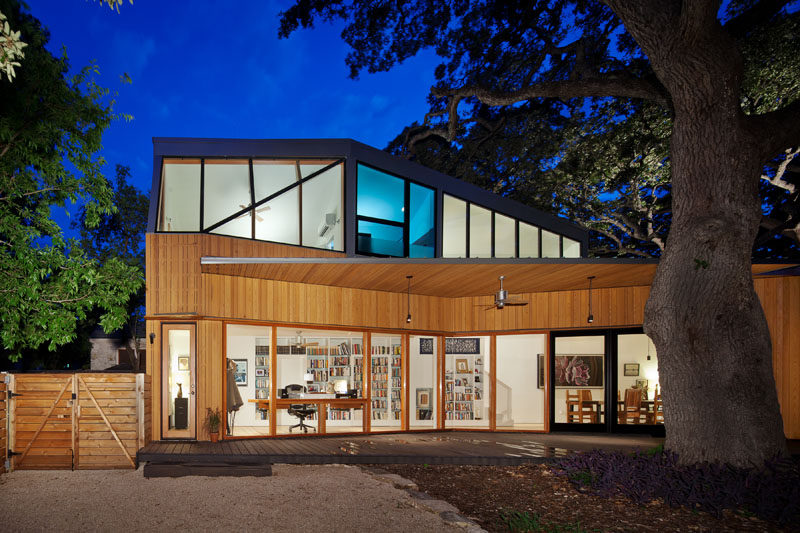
590,318
408,300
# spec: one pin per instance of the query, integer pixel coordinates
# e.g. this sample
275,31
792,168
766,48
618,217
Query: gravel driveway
294,498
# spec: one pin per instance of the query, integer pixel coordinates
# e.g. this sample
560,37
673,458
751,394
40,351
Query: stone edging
446,511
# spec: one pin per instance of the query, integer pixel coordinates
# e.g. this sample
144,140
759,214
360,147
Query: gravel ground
294,498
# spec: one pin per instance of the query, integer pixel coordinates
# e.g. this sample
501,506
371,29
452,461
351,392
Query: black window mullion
202,191
560,246
252,200
299,178
516,238
539,231
492,226
406,218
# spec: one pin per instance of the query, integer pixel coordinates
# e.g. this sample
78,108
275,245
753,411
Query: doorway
178,399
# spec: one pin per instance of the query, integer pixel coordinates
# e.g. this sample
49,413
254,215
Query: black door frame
611,347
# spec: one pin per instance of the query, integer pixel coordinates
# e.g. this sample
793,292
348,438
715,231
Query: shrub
771,492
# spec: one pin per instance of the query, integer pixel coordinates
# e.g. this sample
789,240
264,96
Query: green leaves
51,126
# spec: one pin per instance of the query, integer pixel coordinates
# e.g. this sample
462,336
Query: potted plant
213,420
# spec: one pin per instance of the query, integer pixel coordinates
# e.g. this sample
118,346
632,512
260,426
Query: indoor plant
213,419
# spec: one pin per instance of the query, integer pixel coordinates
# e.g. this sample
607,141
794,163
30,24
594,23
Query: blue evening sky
217,69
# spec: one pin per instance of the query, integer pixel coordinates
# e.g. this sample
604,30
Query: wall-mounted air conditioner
326,225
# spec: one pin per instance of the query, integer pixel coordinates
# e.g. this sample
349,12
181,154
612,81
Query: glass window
504,236
422,382
248,356
551,245
571,248
480,231
180,195
308,167
580,379
387,382
528,240
467,382
279,219
270,176
322,207
454,227
638,389
422,233
226,191
380,195
520,364
320,361
380,239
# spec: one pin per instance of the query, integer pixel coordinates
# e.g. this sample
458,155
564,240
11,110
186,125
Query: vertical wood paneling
780,298
210,371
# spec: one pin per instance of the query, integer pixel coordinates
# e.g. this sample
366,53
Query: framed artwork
426,345
260,372
462,367
579,371
641,383
240,375
540,371
464,345
183,362
632,369
424,398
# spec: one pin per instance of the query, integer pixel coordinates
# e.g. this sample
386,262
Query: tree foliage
51,126
689,68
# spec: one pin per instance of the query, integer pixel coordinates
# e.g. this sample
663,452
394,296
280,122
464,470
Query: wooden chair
573,407
586,408
633,407
657,416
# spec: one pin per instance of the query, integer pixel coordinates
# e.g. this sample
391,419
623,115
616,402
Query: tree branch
776,130
777,180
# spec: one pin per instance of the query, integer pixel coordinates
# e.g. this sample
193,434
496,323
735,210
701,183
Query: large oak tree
703,313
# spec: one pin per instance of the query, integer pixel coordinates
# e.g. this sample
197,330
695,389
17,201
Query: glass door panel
178,387
638,389
387,382
520,382
579,375
467,382
422,382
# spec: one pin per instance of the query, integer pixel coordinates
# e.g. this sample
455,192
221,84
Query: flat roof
447,277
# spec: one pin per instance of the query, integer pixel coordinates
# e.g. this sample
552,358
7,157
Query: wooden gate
78,421
3,424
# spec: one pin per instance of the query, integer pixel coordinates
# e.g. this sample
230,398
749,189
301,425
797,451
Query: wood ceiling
445,277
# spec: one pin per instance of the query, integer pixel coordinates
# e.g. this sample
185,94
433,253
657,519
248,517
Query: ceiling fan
502,299
298,341
258,210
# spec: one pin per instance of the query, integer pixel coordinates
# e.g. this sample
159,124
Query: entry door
178,399
578,396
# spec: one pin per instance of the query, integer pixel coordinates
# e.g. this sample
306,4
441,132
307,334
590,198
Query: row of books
318,363
389,350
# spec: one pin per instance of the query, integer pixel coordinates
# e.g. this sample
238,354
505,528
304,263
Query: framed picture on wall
579,370
632,369
424,398
240,375
426,345
540,371
183,362
462,366
261,372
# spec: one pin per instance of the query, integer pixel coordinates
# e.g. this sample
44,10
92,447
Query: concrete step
181,469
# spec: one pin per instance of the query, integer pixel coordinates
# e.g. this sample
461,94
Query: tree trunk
714,350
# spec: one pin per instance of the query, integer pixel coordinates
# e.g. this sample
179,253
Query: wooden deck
421,448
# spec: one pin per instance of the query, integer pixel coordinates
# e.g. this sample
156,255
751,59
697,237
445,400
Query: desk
328,401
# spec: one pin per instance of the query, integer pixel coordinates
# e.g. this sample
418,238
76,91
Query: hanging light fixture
408,300
590,318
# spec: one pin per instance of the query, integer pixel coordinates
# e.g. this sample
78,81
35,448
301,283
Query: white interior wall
633,349
519,401
421,374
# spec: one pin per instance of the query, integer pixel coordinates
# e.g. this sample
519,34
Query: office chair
301,411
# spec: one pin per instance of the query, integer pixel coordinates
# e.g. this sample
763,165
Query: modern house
369,287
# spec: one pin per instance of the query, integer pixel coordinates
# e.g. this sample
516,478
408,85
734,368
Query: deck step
181,469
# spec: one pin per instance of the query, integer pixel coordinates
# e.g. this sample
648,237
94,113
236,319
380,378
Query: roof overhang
445,277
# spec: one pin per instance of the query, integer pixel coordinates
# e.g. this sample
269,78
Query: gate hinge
12,453
10,394
74,396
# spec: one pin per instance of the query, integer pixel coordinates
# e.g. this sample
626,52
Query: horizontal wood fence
78,421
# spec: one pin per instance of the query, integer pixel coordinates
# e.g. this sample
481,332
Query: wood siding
780,298
3,426
178,287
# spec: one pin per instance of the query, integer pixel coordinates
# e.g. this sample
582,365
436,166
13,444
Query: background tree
51,126
120,235
703,313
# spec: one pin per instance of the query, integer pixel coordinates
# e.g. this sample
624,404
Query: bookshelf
261,375
386,381
464,385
